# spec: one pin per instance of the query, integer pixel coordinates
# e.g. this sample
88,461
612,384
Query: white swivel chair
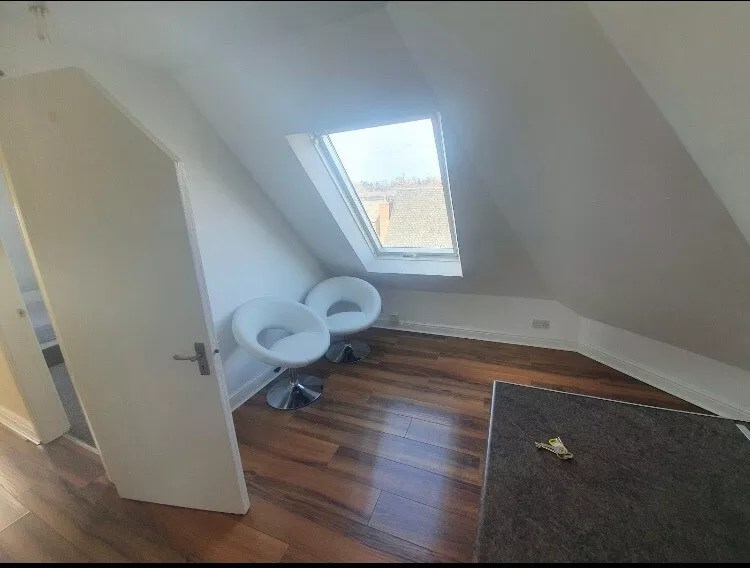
342,324
308,341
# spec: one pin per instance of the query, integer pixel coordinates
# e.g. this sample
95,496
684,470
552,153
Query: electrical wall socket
540,324
394,318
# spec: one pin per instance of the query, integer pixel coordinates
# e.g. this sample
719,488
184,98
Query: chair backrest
343,289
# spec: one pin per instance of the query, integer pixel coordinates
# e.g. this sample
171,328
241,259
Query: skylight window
394,180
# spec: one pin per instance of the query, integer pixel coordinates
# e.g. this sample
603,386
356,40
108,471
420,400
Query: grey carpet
644,484
78,427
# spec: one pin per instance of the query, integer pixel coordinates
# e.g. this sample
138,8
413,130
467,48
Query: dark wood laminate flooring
387,466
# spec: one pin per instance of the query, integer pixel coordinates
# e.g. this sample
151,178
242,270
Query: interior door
105,212
20,347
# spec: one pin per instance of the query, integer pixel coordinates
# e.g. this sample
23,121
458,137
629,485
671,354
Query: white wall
10,396
15,248
496,318
248,249
348,73
702,87
620,223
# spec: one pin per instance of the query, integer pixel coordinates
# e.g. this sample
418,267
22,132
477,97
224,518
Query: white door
108,221
20,347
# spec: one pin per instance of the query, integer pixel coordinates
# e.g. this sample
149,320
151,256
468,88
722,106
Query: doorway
38,315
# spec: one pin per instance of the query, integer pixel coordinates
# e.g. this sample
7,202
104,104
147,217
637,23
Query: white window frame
337,171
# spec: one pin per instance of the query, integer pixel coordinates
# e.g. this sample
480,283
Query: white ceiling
568,181
176,35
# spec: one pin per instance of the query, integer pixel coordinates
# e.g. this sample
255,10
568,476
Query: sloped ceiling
613,211
568,182
693,58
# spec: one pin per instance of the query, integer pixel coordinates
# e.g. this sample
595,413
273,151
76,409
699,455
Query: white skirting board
685,392
486,335
655,356
19,425
81,443
242,394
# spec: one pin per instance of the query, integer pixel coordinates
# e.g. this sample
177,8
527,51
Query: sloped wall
349,74
613,212
692,58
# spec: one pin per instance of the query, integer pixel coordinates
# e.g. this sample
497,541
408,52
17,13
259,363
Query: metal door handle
184,358
199,357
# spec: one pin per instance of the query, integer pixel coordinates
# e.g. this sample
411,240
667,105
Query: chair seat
308,337
347,322
300,348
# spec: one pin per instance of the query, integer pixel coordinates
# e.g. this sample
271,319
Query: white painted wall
248,248
701,86
619,221
10,397
10,235
495,318
348,73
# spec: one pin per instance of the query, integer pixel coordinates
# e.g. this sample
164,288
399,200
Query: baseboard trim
482,334
81,443
242,394
685,392
19,425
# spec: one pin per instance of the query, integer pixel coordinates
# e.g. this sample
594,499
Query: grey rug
644,484
78,427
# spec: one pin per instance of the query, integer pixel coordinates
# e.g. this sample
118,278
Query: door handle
194,358
199,357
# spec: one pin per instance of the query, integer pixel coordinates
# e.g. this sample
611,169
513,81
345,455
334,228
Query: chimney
384,219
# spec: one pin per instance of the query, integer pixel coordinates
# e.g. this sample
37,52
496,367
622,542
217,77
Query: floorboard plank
448,534
10,509
448,462
467,441
309,535
30,540
296,556
277,440
383,544
359,415
407,481
105,535
321,488
215,537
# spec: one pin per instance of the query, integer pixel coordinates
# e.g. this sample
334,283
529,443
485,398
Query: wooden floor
387,466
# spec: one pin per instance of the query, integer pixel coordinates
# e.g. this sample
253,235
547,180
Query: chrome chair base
349,351
298,391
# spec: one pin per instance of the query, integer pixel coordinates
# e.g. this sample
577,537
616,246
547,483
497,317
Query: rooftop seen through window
395,177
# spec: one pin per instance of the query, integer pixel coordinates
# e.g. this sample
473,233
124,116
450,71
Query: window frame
340,177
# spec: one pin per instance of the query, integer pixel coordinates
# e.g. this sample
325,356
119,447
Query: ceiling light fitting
40,20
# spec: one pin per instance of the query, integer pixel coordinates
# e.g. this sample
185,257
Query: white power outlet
540,324
394,318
